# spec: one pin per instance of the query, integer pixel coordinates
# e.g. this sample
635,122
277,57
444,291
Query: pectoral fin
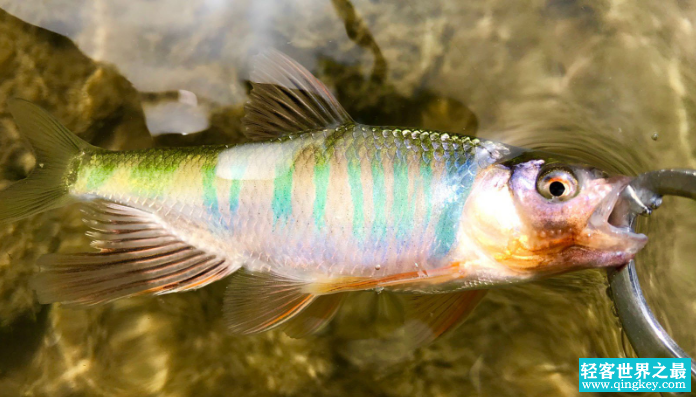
430,316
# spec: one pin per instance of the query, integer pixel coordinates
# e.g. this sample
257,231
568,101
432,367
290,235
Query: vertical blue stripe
379,200
321,190
403,215
281,204
356,194
457,181
235,189
210,199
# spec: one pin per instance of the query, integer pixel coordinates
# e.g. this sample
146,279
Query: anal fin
138,255
430,316
257,302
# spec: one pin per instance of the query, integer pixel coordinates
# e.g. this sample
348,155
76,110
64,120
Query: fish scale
282,204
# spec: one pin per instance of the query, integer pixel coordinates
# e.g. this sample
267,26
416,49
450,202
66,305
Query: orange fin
287,98
257,302
314,317
138,255
430,316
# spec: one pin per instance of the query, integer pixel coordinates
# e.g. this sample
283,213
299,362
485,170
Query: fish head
541,217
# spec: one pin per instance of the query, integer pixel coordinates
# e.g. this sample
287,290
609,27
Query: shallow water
592,79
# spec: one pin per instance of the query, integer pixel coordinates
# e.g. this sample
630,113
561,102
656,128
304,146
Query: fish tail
55,147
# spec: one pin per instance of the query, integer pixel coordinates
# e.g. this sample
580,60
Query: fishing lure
316,206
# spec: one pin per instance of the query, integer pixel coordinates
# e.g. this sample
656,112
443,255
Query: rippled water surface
609,82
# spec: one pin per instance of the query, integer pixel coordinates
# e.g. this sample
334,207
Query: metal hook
645,333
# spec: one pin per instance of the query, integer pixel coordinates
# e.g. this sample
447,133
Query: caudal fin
55,147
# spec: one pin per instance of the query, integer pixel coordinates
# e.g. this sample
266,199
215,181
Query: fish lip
622,237
605,207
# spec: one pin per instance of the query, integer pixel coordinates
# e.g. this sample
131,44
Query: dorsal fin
287,98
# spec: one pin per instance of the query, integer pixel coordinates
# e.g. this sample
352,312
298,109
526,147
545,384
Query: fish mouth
607,228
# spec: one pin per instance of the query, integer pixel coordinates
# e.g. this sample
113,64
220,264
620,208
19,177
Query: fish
313,207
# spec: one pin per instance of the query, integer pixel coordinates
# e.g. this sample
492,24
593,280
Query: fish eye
557,184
